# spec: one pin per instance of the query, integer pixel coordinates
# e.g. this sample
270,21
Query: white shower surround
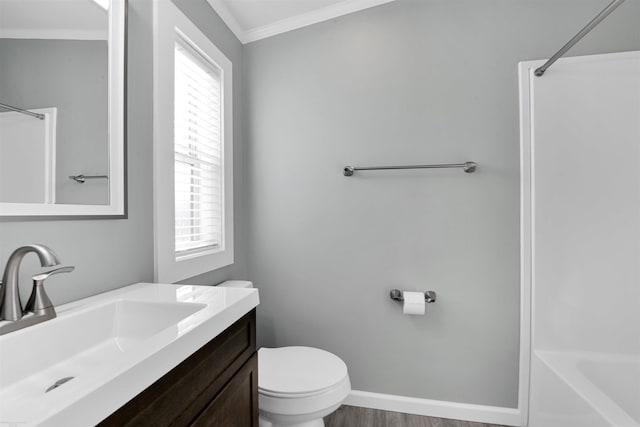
581,239
601,389
28,160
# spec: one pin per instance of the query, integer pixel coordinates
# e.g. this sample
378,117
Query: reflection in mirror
61,107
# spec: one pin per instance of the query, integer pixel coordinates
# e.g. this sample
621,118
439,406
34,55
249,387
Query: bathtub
584,390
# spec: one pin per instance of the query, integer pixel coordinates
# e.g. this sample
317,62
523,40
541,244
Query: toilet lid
298,370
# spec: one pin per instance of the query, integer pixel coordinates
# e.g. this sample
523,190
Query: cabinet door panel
237,404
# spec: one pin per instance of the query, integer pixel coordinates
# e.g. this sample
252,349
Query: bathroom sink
134,320
101,351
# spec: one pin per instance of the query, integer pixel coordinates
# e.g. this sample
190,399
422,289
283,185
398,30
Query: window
197,151
193,212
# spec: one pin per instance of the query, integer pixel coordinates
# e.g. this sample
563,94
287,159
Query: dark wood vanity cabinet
215,386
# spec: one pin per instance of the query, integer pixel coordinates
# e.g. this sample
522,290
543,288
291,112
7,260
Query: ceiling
59,19
252,20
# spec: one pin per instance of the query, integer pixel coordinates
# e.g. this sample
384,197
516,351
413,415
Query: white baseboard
435,408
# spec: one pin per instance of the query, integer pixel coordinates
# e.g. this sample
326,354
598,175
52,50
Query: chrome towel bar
469,167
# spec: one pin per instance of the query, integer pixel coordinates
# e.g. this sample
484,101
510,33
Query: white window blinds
198,152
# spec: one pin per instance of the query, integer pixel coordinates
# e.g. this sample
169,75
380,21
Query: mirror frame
117,110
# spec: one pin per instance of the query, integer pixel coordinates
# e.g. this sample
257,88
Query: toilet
298,386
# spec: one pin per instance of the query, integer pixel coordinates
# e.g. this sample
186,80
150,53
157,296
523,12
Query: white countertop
114,344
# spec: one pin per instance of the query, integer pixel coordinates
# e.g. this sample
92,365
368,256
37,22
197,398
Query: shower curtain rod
20,110
590,26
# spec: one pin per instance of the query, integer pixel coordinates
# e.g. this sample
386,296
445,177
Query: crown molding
292,23
310,18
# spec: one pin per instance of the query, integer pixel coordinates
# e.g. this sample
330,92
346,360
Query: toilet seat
295,372
317,393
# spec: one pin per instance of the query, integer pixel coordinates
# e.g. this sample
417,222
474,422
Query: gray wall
413,81
70,75
109,254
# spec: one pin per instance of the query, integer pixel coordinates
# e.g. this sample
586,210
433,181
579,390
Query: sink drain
58,383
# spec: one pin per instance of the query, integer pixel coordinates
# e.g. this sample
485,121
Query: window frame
171,26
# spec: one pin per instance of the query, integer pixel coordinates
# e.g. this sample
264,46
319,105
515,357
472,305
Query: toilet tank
236,284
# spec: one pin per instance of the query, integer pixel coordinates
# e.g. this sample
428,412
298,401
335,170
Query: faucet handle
39,302
44,276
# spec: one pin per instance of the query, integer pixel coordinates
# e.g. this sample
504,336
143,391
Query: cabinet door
237,404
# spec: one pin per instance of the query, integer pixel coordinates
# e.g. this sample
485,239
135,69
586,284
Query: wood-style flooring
352,416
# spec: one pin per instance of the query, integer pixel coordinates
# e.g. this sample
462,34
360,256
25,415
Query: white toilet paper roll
413,303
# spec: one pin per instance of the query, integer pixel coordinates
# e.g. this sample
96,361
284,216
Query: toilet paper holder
396,295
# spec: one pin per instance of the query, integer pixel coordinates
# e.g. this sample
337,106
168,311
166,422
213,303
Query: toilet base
313,423
312,419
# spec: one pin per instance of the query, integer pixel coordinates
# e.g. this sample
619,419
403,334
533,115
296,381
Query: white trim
117,108
525,73
54,34
116,137
310,18
51,123
225,14
293,23
435,408
169,23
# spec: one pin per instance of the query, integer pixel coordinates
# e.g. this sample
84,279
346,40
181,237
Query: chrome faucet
39,308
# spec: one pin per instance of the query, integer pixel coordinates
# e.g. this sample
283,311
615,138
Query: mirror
62,112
